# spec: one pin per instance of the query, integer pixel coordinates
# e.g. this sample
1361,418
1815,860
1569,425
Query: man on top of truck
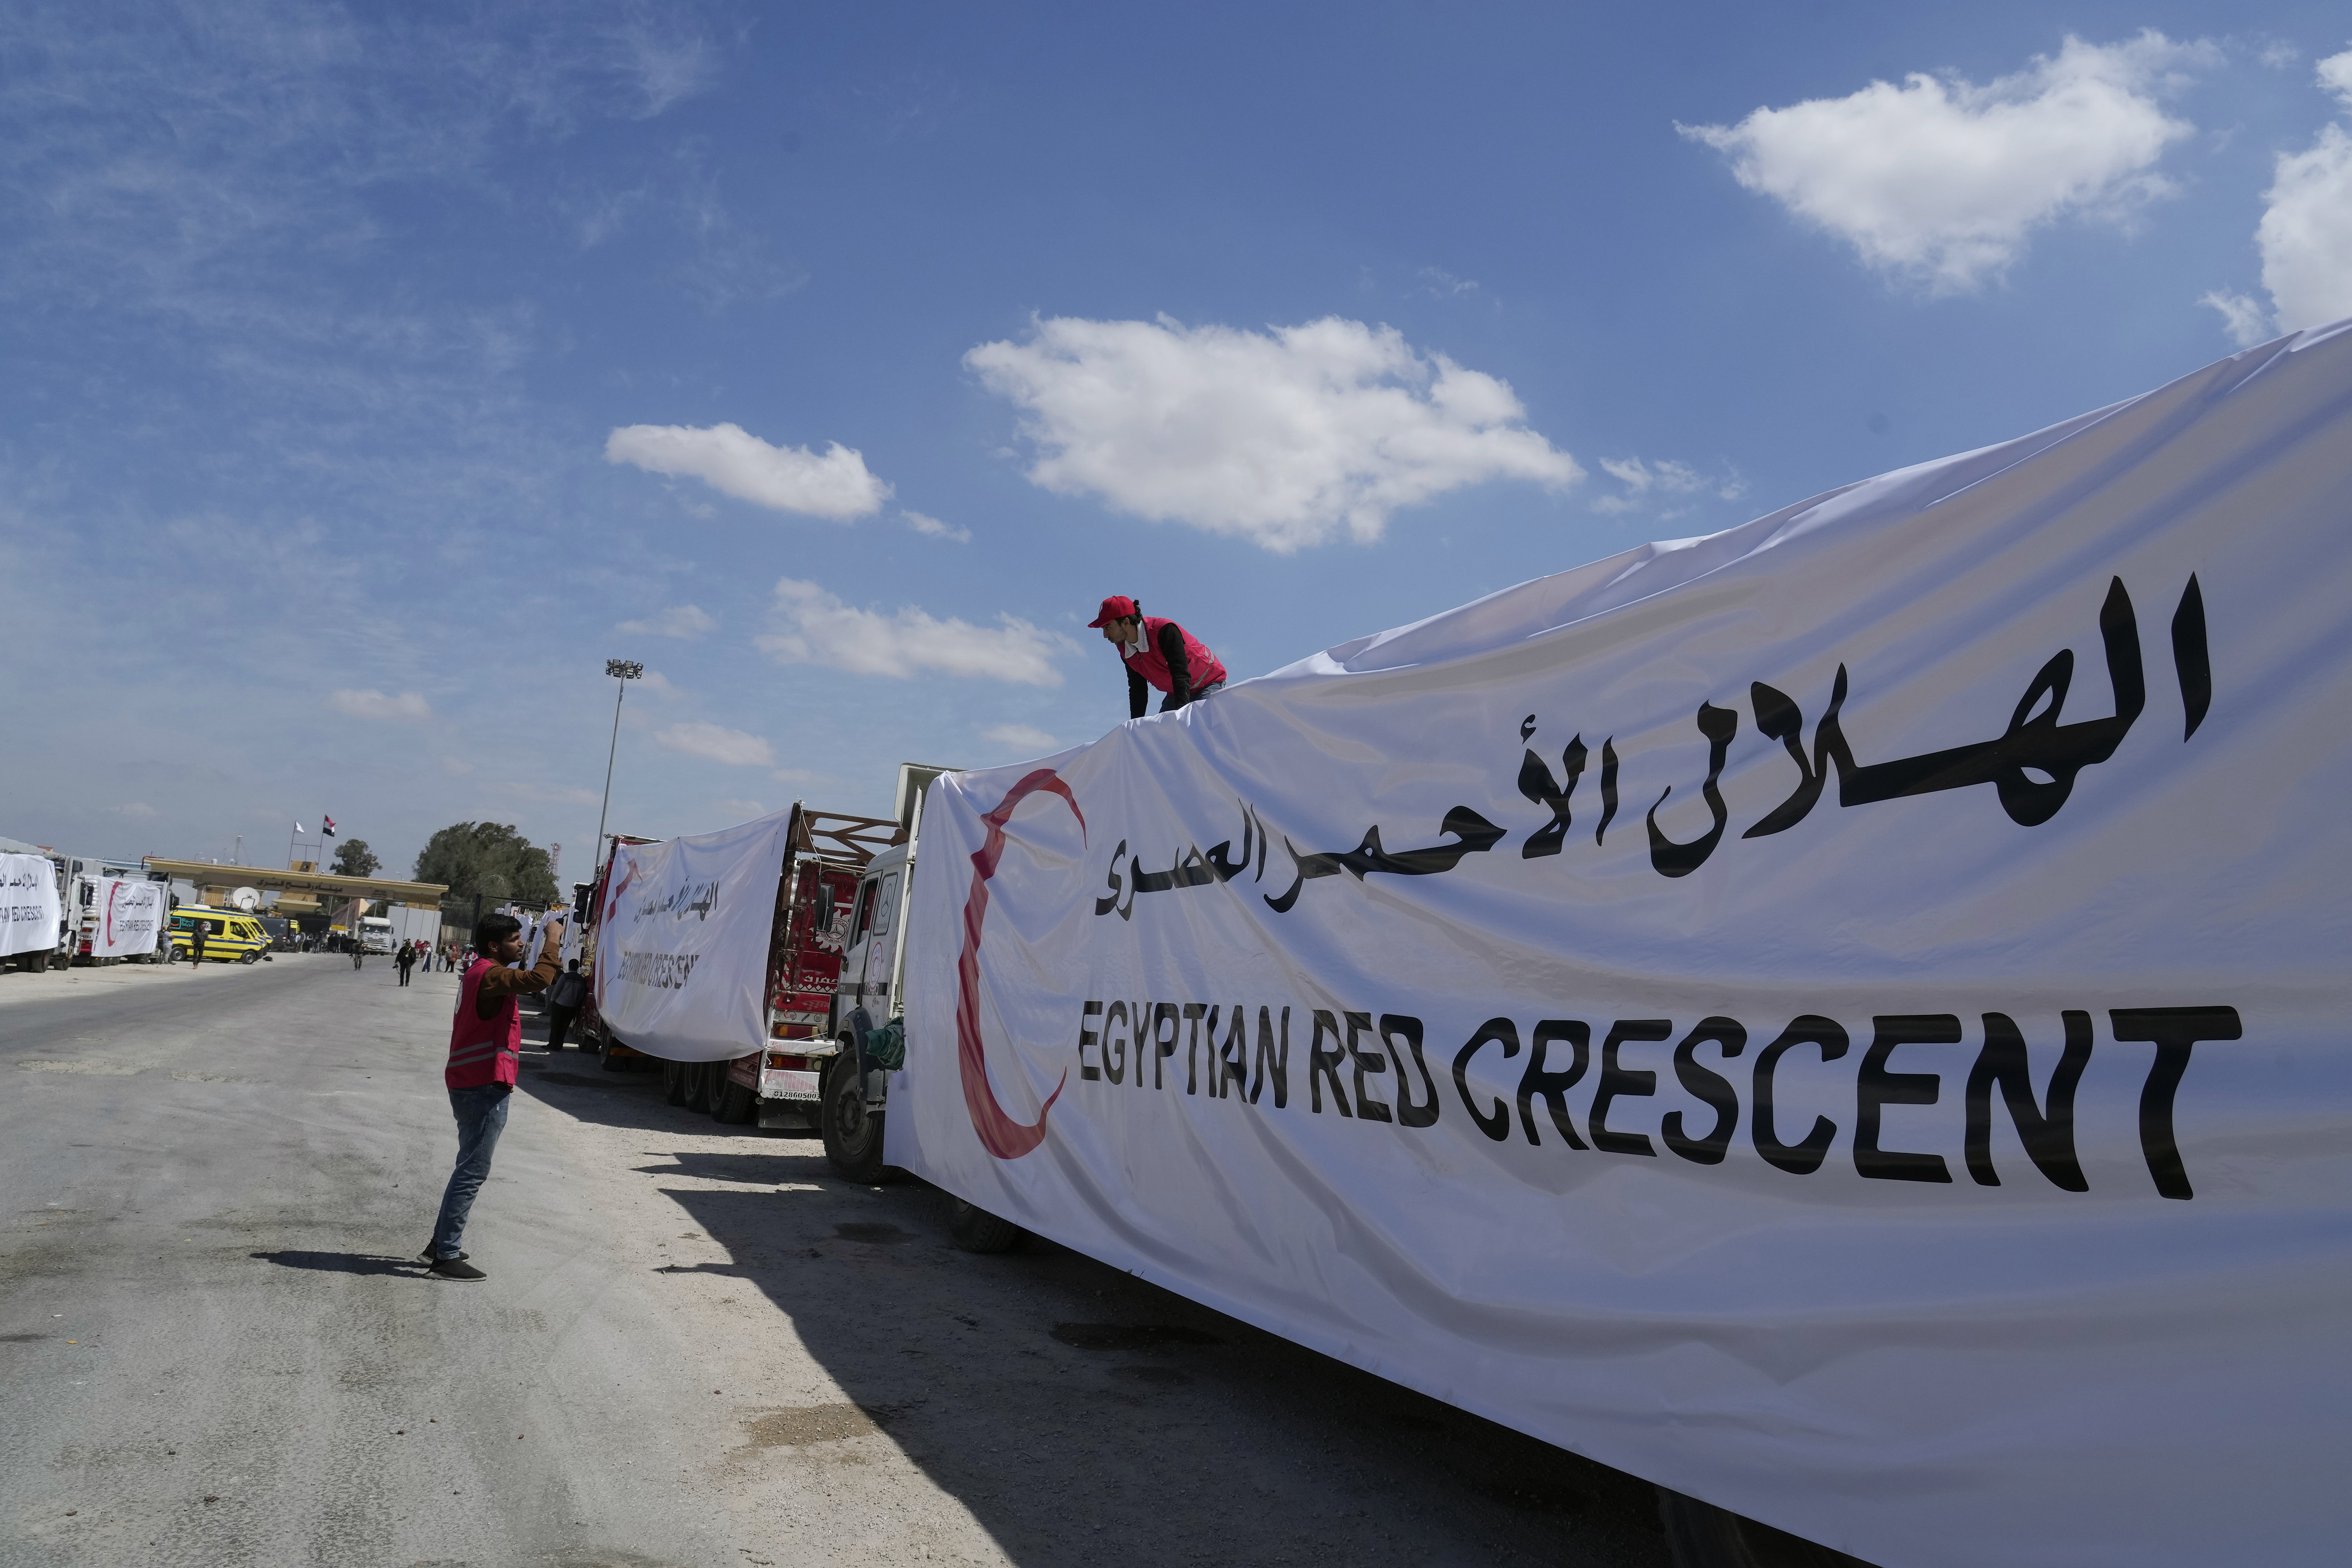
1155,649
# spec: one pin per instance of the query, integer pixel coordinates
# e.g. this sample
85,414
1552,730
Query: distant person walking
485,1053
358,952
1157,653
407,960
196,941
563,1000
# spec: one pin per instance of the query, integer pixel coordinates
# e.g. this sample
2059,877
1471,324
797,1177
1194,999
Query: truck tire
673,1083
853,1135
1705,1536
698,1087
975,1229
605,1058
732,1104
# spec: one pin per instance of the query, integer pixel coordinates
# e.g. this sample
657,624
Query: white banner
1844,1018
129,917
30,911
682,942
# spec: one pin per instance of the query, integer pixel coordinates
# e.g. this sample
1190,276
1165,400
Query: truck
773,1083
375,933
114,911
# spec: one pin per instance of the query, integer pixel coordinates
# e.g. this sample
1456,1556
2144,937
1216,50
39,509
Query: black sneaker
456,1268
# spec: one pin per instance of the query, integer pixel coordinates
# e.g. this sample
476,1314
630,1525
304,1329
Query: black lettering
1374,1060
1876,1088
1086,1038
2190,661
1163,1042
1410,1113
1539,1082
2048,1140
1671,858
1804,1158
1233,1061
1617,1081
1496,1124
1114,1067
1538,785
1193,1013
1707,1088
1322,1064
1105,905
1266,1058
2172,1031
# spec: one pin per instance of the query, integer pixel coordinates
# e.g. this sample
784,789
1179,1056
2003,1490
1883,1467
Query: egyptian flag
330,825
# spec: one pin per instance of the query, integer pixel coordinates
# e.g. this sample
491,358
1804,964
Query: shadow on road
1074,1410
341,1262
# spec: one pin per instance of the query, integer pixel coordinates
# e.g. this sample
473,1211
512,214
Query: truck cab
865,1005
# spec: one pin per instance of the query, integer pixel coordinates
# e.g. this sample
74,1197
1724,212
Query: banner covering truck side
718,954
1844,1018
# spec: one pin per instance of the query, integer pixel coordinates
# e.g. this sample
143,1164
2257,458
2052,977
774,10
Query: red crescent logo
1000,1134
112,893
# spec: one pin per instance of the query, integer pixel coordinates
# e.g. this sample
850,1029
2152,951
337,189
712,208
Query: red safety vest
1152,664
483,1051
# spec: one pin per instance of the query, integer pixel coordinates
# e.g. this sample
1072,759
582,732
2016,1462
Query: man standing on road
196,941
406,961
1156,650
485,1051
563,1000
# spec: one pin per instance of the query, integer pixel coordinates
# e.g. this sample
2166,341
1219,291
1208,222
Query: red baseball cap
1118,607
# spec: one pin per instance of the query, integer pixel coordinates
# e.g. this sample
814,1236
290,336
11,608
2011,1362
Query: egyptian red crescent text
1000,1134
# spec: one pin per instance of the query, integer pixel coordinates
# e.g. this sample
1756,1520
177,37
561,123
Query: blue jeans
481,1117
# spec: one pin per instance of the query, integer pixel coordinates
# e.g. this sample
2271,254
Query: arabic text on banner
682,942
29,910
1844,1018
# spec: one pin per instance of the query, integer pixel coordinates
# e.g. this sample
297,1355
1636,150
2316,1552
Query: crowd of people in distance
561,1004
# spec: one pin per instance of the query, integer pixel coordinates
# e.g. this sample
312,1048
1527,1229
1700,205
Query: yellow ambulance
229,937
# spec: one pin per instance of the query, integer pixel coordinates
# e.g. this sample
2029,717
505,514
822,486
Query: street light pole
623,671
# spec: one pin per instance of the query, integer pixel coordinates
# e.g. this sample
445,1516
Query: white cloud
2306,235
1940,180
717,743
2335,75
374,704
1025,738
932,528
729,459
678,620
1663,484
456,767
744,810
813,627
137,811
2243,319
1289,437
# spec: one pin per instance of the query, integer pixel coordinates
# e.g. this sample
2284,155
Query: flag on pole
300,829
330,822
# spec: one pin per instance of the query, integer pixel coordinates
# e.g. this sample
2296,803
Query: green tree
354,858
488,859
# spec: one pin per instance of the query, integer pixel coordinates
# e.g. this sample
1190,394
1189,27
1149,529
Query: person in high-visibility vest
1156,651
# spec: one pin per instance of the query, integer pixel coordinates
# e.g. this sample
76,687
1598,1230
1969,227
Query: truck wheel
698,1087
673,1083
977,1230
605,1058
853,1135
732,1104
1705,1536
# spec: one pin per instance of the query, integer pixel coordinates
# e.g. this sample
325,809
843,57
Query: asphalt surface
697,1346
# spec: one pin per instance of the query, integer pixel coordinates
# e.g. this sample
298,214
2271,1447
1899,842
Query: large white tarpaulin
128,915
1846,1017
28,904
682,941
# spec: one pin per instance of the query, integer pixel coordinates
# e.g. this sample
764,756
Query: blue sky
375,373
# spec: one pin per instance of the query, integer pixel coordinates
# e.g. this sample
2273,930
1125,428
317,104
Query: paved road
697,1347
